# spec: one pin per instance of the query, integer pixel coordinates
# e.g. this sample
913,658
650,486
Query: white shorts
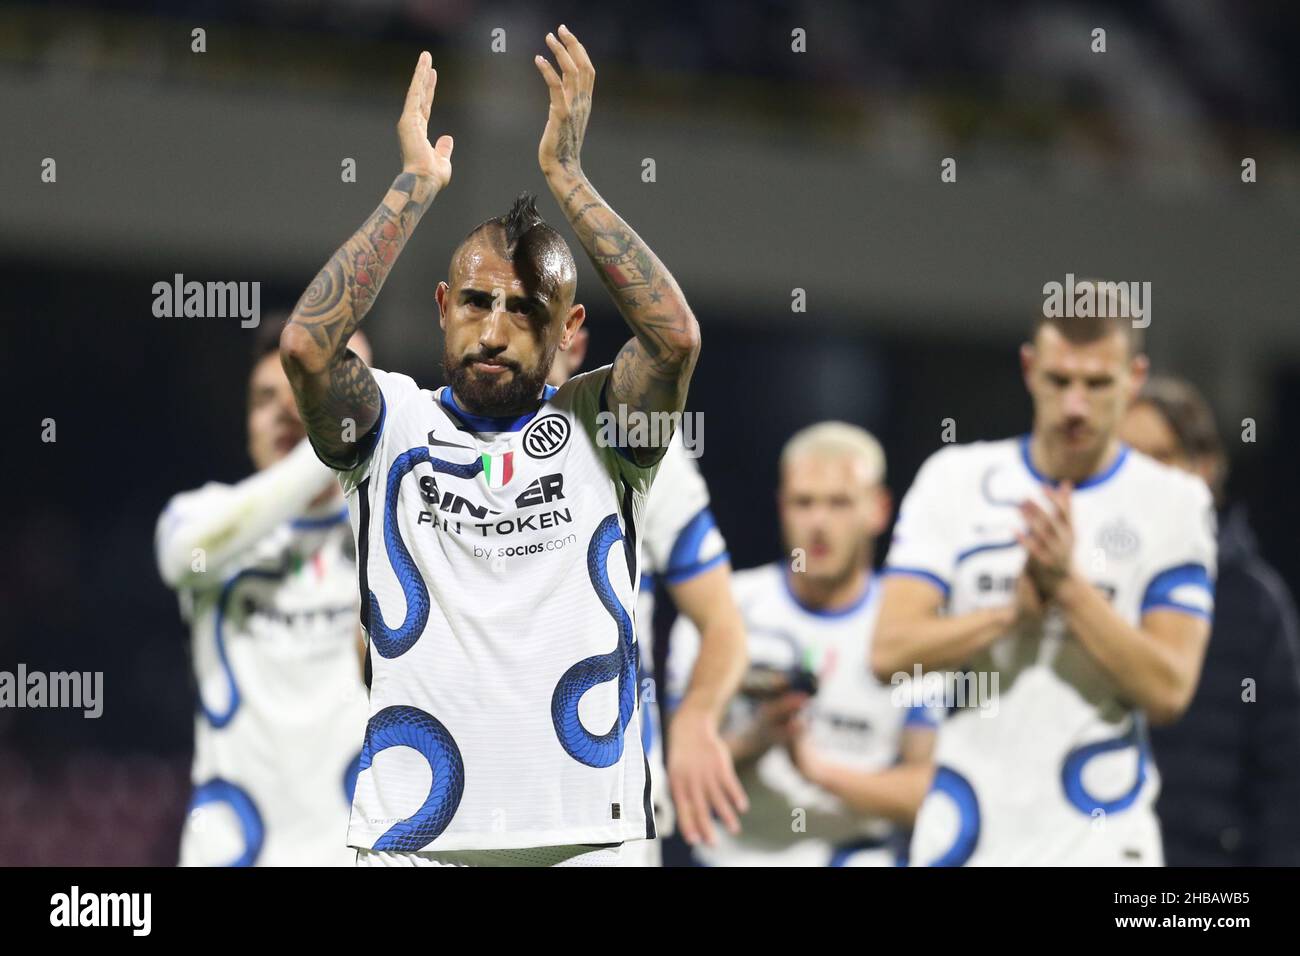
577,855
642,853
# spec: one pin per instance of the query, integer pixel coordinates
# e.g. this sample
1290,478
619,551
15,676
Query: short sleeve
923,717
588,401
181,508
682,538
1182,566
394,391
922,545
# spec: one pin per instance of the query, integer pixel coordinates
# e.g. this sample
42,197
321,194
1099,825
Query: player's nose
819,522
1076,402
492,334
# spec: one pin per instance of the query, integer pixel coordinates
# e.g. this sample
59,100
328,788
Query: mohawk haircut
522,237
523,215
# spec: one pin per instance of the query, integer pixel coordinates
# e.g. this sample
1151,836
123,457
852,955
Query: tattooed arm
653,370
333,386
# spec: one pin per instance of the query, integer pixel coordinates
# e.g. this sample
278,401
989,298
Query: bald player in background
1230,767
834,761
265,570
1078,574
686,552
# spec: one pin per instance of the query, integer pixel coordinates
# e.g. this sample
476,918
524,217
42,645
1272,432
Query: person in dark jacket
1230,768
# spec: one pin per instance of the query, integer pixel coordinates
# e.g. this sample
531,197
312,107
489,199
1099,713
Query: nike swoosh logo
445,444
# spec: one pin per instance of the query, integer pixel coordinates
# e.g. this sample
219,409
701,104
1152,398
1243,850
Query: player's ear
578,348
881,508
1027,355
569,340
1139,367
440,294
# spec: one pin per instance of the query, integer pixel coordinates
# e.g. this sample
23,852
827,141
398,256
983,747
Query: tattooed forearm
337,396
338,408
637,372
342,292
653,370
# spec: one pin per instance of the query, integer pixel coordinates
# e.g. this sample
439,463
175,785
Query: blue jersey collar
858,603
1091,481
487,423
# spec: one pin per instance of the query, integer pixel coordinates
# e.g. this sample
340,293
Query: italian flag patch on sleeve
498,469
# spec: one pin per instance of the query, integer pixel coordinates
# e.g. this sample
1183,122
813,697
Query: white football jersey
682,541
501,563
1051,765
853,720
682,538
277,736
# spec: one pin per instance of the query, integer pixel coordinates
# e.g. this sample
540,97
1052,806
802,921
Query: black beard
485,395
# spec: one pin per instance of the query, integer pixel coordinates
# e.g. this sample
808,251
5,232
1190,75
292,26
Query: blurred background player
265,570
1078,574
1230,767
685,551
834,767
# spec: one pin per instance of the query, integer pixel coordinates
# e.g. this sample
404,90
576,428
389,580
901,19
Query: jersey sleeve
922,545
923,717
1181,570
202,533
682,538
590,409
394,391
173,549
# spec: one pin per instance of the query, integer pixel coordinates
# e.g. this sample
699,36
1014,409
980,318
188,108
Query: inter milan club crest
1118,539
546,436
498,469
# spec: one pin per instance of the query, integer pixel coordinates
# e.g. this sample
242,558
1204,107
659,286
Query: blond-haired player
835,762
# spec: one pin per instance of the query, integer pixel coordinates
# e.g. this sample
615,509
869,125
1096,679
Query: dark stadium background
775,171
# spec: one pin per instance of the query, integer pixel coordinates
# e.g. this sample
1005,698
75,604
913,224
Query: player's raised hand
419,156
566,123
1049,540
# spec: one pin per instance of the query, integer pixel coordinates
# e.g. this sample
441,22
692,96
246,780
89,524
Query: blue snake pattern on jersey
1072,773
251,825
219,719
581,744
394,642
405,726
